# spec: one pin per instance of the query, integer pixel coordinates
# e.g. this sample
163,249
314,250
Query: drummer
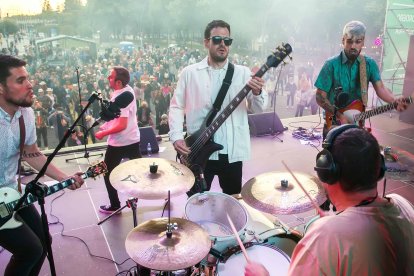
370,234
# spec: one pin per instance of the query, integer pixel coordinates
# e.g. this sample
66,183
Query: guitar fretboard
381,109
51,190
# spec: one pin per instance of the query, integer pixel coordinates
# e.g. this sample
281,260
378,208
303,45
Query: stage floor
77,211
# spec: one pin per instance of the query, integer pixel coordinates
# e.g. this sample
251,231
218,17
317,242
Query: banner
399,26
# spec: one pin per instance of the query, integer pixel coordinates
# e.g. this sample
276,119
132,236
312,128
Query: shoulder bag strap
22,139
363,79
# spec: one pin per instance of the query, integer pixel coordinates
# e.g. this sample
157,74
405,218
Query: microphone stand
85,132
41,190
275,133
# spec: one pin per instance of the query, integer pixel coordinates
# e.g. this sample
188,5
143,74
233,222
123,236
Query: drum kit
202,243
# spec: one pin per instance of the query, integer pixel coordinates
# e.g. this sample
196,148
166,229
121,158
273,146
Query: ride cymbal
148,245
277,193
135,179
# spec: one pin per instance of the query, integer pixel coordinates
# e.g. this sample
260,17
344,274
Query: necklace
364,202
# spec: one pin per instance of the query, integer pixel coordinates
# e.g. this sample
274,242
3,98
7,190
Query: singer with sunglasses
197,90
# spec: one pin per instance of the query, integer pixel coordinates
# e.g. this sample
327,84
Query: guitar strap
22,139
363,79
222,93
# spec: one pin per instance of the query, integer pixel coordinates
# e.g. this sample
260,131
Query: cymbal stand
170,226
130,203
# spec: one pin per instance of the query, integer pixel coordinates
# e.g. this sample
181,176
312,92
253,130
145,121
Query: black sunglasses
217,40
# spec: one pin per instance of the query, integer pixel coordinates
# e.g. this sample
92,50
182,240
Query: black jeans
229,174
26,243
41,132
113,157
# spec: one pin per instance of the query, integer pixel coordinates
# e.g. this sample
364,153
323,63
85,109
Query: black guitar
200,142
9,197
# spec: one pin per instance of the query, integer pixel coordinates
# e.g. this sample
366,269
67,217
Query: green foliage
8,27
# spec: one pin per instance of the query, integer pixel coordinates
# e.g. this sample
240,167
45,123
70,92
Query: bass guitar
9,197
200,142
355,112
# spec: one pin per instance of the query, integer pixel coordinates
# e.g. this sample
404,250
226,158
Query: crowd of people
62,90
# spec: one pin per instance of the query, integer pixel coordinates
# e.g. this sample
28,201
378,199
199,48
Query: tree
46,7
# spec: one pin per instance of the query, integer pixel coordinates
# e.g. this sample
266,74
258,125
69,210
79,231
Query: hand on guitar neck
402,103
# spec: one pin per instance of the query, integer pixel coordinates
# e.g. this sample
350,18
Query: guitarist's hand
77,177
341,118
401,104
181,147
256,84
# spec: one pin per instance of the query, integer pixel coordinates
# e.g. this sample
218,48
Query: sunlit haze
25,7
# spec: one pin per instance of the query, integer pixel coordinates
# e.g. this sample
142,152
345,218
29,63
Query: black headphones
326,168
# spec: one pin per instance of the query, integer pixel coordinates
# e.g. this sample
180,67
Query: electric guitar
355,112
9,197
201,143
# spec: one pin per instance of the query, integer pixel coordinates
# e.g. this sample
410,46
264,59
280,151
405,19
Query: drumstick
238,238
318,209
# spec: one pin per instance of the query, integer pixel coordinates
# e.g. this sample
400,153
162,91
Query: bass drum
272,258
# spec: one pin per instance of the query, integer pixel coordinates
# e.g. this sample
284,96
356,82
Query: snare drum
284,241
272,258
209,210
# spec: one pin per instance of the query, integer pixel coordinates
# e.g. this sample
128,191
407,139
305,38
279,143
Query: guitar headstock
97,169
280,53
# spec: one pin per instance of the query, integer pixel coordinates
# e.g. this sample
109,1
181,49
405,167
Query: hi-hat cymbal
148,245
266,193
135,179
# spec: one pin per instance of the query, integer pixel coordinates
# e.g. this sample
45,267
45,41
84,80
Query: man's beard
352,54
21,102
218,58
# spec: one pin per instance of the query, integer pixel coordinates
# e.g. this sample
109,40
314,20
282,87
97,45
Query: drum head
210,210
273,259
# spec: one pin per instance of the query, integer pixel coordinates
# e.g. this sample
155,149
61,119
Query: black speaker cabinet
148,136
265,123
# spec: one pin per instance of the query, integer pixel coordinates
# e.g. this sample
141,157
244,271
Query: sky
15,7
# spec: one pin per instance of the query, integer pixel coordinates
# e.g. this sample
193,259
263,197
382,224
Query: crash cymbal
266,193
135,179
148,245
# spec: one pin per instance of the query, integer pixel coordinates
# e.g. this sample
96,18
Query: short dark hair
122,74
214,24
6,63
357,154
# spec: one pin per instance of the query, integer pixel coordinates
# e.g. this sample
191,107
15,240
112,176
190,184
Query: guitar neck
51,190
381,109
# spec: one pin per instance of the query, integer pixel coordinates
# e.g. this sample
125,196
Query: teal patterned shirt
339,72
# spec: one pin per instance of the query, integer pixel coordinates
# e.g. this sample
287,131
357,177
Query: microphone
341,100
112,110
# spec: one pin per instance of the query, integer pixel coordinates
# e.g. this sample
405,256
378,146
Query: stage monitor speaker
265,123
147,135
407,116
